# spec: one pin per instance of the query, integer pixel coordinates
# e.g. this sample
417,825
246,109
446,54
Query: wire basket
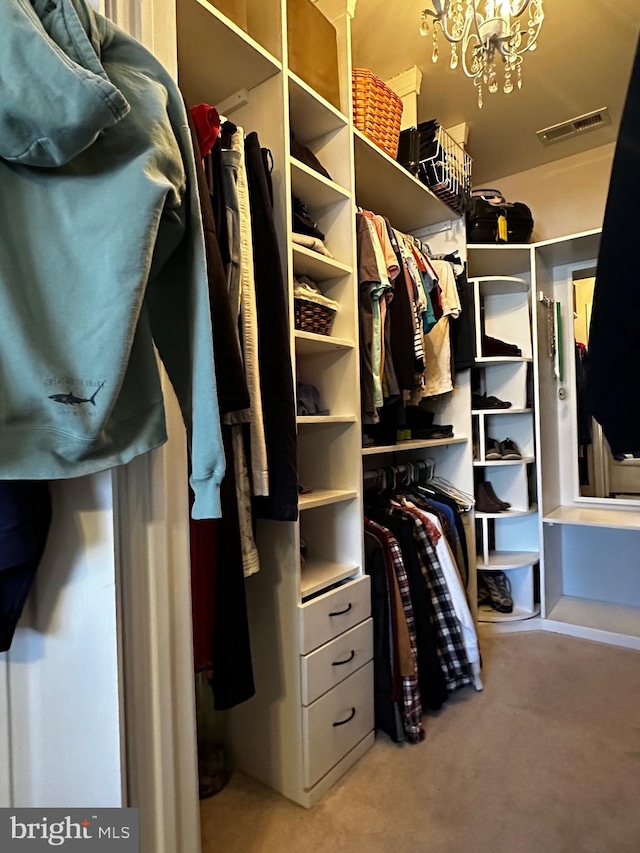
313,317
377,110
447,172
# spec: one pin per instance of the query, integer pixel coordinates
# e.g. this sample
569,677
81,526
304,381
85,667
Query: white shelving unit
508,541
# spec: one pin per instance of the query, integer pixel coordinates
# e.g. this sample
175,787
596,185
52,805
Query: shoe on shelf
509,449
493,450
484,501
496,347
498,587
482,401
489,490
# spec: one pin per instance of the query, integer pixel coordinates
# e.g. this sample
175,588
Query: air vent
574,127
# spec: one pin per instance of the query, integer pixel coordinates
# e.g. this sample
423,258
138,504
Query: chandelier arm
515,13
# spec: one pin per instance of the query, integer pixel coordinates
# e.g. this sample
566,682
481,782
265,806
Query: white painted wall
565,197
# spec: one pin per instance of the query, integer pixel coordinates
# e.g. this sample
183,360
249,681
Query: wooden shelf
307,343
483,360
501,561
511,411
497,285
316,191
488,614
403,446
509,513
317,575
613,518
318,267
597,615
500,463
384,186
311,115
209,41
324,497
325,419
510,259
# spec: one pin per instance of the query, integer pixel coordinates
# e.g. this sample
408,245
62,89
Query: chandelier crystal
480,32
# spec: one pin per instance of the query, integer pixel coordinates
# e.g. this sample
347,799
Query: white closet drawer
331,614
332,663
336,722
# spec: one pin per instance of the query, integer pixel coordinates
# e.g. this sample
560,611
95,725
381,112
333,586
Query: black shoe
509,449
485,503
498,587
494,497
481,401
492,450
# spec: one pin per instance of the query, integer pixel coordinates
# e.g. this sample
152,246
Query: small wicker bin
377,110
313,317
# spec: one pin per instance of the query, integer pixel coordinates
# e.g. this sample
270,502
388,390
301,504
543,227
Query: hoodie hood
55,111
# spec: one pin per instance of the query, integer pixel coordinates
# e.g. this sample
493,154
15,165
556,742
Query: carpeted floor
545,760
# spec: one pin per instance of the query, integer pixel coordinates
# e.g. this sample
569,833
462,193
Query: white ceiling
583,62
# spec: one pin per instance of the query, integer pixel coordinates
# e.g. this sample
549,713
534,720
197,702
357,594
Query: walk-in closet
357,569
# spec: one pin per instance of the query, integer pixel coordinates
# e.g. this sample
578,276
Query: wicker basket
313,317
377,111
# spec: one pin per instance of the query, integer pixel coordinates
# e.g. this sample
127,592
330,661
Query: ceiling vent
574,127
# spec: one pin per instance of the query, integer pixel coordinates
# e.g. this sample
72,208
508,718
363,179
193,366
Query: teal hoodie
101,253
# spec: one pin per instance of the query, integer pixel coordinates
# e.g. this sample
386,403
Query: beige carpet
545,760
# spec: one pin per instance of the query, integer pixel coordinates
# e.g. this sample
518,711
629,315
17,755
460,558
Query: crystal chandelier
485,30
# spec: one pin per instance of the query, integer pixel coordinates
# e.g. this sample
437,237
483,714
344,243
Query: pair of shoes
496,347
506,449
482,401
494,589
487,500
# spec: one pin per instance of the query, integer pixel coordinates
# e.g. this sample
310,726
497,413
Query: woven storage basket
377,110
313,317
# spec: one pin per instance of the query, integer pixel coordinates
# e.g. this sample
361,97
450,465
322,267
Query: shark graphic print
70,399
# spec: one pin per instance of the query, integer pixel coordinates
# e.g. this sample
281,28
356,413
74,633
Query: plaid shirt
450,642
412,704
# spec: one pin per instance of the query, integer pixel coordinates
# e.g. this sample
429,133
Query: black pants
25,516
613,363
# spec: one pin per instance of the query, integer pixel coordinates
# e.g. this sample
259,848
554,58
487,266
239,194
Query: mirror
600,475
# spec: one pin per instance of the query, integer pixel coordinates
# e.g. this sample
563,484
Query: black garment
613,361
276,375
463,328
403,321
232,680
433,689
233,393
25,517
387,711
368,277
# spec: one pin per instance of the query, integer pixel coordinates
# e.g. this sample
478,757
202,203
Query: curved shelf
324,497
501,561
501,463
204,32
318,267
412,445
385,186
488,614
496,285
510,513
314,189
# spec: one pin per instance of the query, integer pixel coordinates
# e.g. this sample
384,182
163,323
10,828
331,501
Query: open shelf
317,575
309,343
324,497
501,463
500,561
208,40
492,412
595,517
497,285
597,615
571,250
488,614
501,359
412,445
384,186
318,267
311,115
316,191
510,259
509,513
325,419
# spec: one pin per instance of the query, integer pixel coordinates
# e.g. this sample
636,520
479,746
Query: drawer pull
348,720
342,612
348,660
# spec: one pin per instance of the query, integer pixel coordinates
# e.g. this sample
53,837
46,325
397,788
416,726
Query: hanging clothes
613,362
437,344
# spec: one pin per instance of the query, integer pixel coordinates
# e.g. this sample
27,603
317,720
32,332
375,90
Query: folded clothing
313,243
305,155
308,400
304,288
432,432
496,347
302,221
